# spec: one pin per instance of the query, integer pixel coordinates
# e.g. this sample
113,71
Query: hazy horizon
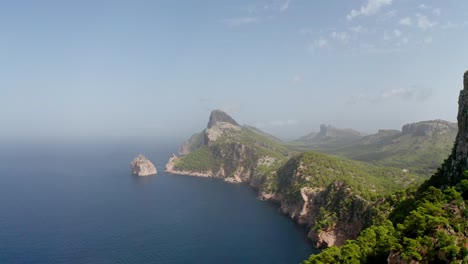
147,69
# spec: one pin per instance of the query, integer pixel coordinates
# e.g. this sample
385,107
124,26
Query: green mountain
328,137
419,147
333,197
425,225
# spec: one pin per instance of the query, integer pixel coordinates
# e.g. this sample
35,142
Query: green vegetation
420,154
433,230
200,160
345,195
313,169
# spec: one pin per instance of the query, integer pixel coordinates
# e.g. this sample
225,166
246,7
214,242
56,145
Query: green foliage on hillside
371,247
226,150
313,169
433,231
420,154
200,160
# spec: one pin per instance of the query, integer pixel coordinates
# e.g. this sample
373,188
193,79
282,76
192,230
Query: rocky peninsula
311,188
141,166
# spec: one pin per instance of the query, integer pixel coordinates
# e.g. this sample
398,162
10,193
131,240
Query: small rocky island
141,166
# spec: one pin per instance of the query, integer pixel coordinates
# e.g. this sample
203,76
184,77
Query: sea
79,203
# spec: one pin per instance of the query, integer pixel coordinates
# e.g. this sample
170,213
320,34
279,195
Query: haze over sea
79,203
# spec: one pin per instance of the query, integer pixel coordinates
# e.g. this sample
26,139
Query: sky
133,69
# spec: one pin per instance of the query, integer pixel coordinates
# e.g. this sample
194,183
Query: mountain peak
453,169
220,116
427,128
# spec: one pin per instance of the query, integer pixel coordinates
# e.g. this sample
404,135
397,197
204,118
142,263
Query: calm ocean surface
80,204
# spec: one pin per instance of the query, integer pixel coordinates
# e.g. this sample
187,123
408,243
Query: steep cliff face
330,196
426,225
328,131
459,158
452,171
334,214
334,198
141,166
218,116
429,128
229,151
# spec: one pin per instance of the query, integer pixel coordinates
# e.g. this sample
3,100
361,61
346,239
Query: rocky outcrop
333,214
452,171
141,166
460,156
170,168
328,131
429,128
218,116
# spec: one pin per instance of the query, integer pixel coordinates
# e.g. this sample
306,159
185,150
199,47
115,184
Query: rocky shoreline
209,174
171,170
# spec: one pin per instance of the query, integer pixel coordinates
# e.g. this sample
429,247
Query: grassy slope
419,154
202,159
319,170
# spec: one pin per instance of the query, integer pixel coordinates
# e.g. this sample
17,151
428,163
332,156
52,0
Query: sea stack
141,166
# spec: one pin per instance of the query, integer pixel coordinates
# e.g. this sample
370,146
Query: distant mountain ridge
419,147
331,132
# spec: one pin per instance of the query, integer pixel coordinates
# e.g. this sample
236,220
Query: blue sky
118,69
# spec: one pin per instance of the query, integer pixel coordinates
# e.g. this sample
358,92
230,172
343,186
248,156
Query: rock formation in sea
141,166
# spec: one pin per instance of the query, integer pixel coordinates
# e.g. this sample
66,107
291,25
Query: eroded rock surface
141,166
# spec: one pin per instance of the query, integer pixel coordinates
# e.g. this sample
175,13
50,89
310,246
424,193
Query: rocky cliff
330,196
452,171
328,131
429,128
425,225
141,166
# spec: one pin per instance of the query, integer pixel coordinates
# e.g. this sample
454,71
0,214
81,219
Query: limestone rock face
218,116
429,128
461,143
457,163
346,225
141,166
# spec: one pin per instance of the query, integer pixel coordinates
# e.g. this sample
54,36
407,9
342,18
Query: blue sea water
79,203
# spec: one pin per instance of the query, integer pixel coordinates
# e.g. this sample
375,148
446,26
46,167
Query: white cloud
319,43
435,11
413,93
392,35
240,21
340,36
397,33
450,25
371,8
402,42
296,78
357,29
407,21
428,40
423,6
423,22
285,6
